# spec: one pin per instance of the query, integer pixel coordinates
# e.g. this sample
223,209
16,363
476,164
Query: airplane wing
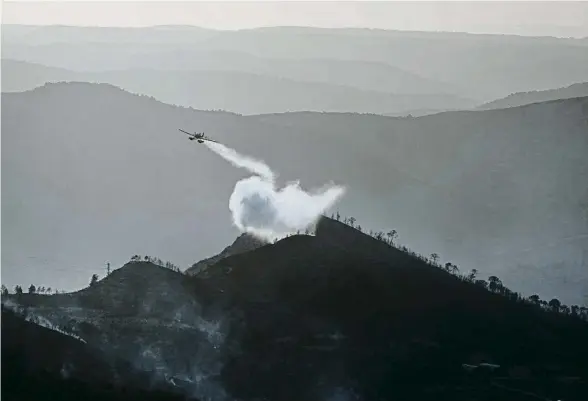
185,132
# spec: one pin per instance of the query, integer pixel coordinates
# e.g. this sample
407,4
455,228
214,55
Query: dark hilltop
336,314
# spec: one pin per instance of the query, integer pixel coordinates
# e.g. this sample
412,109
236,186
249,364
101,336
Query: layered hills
480,67
501,191
523,98
457,271
247,92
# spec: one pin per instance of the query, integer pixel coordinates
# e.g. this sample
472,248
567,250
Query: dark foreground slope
142,313
338,314
344,313
40,364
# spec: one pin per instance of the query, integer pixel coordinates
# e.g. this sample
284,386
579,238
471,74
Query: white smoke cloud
261,209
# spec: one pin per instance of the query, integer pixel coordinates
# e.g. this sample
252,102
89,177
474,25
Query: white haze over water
261,209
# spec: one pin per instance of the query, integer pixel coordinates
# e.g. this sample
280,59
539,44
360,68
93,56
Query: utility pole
108,268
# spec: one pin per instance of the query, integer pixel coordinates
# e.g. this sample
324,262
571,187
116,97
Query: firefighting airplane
199,136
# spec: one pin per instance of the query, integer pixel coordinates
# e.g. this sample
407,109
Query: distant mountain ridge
34,34
255,92
467,65
524,98
455,183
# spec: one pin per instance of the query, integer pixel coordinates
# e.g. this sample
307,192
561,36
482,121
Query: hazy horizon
558,19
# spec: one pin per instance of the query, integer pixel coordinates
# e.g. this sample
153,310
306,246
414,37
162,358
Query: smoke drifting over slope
261,209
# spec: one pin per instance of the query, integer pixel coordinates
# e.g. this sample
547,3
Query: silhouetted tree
554,304
535,299
351,221
392,234
434,258
18,290
482,283
574,310
93,280
337,216
4,290
449,267
49,290
472,275
358,228
515,296
32,289
494,283
502,289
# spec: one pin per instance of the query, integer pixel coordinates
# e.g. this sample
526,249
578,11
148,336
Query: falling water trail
232,156
259,208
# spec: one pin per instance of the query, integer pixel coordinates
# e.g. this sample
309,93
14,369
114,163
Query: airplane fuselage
198,136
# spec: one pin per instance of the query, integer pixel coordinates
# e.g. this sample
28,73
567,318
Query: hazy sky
555,18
